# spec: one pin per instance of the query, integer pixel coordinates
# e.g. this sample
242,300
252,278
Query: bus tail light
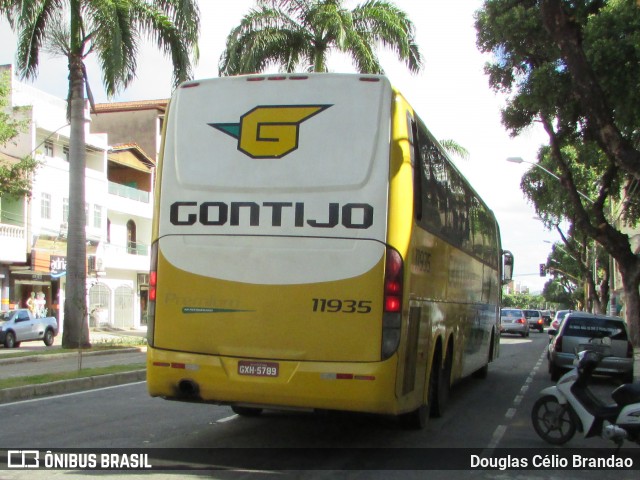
392,316
153,284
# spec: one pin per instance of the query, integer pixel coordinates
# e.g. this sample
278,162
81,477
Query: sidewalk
42,364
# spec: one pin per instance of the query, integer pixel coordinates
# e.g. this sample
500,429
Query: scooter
570,405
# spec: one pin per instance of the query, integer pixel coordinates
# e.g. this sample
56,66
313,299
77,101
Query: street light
520,160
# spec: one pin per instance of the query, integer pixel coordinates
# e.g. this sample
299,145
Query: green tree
550,198
15,177
557,293
573,67
113,30
523,300
300,34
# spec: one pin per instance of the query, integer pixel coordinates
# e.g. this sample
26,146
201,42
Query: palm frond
382,22
32,21
327,25
454,148
264,37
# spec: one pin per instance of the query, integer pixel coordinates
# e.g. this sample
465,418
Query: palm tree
295,34
113,30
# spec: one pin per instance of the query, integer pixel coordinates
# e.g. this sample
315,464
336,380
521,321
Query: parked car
547,316
535,319
512,320
580,330
558,317
21,325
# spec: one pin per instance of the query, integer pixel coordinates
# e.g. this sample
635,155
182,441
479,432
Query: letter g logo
269,131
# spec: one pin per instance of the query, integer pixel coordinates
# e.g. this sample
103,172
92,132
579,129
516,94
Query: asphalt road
488,415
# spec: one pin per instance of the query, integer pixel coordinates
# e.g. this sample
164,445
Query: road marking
497,436
227,419
511,411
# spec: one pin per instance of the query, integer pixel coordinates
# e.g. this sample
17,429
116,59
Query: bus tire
416,419
443,388
483,372
247,411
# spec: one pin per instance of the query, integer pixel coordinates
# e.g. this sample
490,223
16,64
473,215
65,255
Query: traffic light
543,270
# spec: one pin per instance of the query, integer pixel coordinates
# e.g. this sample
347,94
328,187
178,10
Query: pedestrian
31,303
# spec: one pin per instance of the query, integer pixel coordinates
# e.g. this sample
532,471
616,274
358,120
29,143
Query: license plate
258,369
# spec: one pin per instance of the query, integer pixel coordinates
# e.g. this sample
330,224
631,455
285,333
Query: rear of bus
268,269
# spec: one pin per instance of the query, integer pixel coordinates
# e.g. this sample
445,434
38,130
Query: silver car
535,319
581,330
512,320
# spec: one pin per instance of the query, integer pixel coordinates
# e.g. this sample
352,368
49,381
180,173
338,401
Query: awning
46,249
129,159
52,247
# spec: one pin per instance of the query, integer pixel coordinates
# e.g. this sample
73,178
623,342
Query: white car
512,320
580,331
559,316
21,325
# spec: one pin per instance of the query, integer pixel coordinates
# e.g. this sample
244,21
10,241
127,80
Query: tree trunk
76,327
630,273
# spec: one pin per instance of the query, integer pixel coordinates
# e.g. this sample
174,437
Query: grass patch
53,377
58,351
123,341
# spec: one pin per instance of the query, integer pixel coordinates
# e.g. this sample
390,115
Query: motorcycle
570,405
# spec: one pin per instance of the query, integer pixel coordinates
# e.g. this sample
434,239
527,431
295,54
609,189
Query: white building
119,200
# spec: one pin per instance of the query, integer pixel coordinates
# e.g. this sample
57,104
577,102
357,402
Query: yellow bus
314,248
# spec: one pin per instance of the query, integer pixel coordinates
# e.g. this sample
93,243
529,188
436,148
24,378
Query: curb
70,386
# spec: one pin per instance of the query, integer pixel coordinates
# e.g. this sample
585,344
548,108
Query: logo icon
269,131
23,459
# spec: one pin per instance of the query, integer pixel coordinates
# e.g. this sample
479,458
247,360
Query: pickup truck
22,326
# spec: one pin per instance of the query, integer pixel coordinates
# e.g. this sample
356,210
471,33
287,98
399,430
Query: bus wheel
484,371
415,420
443,388
247,411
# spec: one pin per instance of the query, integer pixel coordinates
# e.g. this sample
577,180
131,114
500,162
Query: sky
451,95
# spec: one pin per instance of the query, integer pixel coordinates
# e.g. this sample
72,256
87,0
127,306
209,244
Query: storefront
24,282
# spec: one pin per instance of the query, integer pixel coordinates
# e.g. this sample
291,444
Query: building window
45,206
97,216
48,148
65,209
132,246
65,152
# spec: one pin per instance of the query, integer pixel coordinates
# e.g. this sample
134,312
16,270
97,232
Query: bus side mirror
507,266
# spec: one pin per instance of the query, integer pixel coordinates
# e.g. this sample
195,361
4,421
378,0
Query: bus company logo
269,131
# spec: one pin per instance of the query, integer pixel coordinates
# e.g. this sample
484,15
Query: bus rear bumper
360,387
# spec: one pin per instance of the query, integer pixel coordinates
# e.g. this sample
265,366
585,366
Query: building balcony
133,201
13,245
134,256
128,192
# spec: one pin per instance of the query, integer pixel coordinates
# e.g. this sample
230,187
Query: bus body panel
290,241
350,386
308,322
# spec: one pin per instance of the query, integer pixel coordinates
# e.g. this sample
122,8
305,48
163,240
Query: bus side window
416,163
